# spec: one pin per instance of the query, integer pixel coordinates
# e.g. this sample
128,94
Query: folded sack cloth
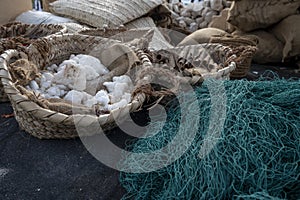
105,12
249,15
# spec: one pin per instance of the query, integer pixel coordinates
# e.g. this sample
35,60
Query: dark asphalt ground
63,169
50,169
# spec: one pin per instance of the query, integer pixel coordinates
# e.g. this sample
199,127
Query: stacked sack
275,23
196,16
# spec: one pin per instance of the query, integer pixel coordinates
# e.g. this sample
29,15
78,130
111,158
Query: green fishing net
256,154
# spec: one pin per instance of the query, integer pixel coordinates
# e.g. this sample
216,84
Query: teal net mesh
256,155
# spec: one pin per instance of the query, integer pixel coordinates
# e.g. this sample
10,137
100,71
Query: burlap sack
249,15
288,31
201,36
105,12
220,21
269,48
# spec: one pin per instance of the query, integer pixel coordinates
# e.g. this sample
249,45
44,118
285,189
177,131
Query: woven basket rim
234,40
16,97
60,28
249,46
223,72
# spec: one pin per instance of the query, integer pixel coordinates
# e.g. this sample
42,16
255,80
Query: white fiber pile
69,81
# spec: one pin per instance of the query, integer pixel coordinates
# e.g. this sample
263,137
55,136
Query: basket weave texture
244,48
199,62
17,35
110,12
45,123
189,64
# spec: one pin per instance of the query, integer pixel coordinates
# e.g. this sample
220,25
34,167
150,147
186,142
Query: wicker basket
16,35
170,72
45,123
244,48
199,62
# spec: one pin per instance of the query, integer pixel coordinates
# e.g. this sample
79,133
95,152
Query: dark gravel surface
50,169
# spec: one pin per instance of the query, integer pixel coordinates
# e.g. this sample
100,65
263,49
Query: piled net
255,156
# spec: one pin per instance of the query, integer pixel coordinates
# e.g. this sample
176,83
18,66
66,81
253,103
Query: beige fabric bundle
269,48
288,31
105,12
201,36
220,22
249,15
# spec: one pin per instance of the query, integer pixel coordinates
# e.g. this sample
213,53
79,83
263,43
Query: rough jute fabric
288,32
249,15
105,12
